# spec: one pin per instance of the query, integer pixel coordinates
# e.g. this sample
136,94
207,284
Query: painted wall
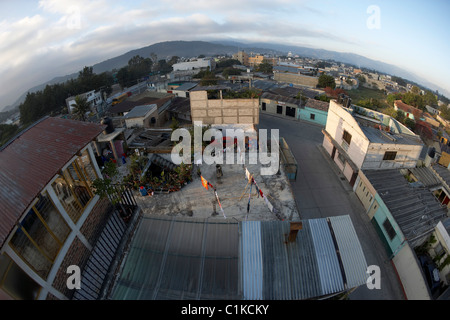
271,107
410,274
320,117
407,156
338,120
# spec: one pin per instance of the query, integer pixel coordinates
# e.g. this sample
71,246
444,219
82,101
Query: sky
40,40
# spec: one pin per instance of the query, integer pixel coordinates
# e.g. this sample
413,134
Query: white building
94,98
141,116
358,138
196,64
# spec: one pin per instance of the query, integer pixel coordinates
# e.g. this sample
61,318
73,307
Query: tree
80,107
230,71
208,78
326,81
415,90
265,67
429,98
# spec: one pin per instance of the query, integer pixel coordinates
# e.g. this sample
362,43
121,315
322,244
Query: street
321,191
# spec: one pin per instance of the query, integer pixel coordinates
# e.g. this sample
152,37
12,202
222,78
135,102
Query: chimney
294,227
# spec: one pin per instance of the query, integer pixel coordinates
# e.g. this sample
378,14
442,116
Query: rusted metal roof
33,158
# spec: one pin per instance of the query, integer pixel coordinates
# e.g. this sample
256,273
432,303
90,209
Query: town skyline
56,38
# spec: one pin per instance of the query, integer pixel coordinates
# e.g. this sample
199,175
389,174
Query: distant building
296,79
242,57
202,63
94,98
410,111
143,116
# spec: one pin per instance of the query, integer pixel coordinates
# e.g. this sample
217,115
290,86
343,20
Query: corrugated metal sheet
252,263
352,256
327,260
174,258
29,162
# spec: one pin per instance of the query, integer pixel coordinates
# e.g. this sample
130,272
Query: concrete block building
209,107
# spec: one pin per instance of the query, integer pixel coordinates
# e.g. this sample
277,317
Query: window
15,281
347,137
263,106
40,236
279,109
290,112
73,188
389,229
390,155
341,158
312,116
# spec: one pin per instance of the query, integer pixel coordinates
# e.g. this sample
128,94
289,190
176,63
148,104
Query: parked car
431,272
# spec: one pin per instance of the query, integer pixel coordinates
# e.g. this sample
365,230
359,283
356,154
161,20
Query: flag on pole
204,182
220,206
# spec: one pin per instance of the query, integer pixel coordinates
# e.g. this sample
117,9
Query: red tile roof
32,159
417,113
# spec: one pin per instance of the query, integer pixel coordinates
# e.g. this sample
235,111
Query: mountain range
189,49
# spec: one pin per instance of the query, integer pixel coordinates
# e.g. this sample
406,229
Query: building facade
51,217
358,138
209,107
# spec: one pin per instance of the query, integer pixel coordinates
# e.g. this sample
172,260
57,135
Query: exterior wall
410,275
271,107
443,240
407,156
320,117
296,79
223,111
189,65
338,120
361,151
378,212
74,250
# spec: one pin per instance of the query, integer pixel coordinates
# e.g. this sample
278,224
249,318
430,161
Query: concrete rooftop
193,200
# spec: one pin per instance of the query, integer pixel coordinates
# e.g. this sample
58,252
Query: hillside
189,49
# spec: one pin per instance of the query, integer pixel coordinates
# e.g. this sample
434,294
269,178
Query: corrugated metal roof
176,258
140,111
252,263
416,210
426,176
33,158
327,260
352,256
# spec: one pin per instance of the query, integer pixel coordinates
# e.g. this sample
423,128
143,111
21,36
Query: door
333,153
353,179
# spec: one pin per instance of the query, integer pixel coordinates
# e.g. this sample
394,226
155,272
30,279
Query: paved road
322,191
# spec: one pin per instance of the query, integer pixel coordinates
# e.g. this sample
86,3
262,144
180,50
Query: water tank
109,125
